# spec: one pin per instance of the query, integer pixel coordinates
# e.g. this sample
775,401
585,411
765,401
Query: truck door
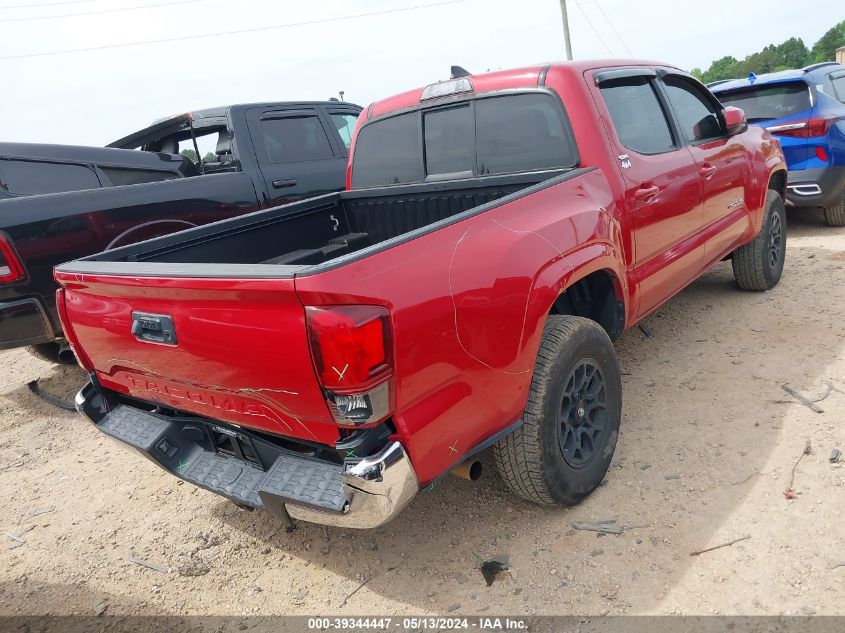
296,157
662,186
723,162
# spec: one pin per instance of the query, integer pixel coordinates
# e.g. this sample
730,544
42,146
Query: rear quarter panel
468,303
766,157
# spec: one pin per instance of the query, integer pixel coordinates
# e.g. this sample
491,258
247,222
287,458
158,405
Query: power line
236,32
118,10
43,4
577,4
619,37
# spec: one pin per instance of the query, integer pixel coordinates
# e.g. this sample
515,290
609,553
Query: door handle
284,183
707,171
646,194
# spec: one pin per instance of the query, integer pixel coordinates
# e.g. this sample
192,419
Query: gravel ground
706,451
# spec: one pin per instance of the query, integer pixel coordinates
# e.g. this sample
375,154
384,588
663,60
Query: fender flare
560,274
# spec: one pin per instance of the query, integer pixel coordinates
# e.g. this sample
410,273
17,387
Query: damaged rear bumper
363,493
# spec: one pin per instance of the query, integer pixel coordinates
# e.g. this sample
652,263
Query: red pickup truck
326,360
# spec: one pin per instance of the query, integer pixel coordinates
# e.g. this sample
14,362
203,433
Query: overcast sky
97,96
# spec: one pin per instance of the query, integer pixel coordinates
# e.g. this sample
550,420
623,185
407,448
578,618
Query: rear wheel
835,215
758,265
571,421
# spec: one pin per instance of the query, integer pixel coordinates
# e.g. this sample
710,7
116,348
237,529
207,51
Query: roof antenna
457,71
752,77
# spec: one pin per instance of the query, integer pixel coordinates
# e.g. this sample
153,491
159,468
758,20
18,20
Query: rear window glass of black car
765,103
492,135
637,115
25,177
118,176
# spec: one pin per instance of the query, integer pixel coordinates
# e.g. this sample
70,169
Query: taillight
84,361
819,126
11,268
352,348
816,126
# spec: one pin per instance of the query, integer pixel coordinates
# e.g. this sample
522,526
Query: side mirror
735,120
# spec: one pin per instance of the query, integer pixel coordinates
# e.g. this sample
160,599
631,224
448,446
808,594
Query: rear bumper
24,322
365,493
821,187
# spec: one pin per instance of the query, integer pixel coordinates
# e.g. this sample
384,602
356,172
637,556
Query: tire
540,461
758,265
835,215
49,352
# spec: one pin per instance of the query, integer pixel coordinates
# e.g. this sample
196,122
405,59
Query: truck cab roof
527,76
206,117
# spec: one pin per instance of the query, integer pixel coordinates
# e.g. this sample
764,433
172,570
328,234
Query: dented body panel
205,373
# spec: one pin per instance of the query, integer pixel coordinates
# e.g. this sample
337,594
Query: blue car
805,110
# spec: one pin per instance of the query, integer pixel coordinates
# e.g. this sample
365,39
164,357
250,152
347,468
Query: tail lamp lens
817,126
10,266
351,347
349,344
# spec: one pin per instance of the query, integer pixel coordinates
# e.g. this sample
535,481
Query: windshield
764,103
492,135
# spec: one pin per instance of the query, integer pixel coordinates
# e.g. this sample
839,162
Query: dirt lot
708,443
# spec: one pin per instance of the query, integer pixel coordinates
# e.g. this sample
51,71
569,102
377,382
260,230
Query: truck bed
315,233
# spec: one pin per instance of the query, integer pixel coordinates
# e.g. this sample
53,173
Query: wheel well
594,297
777,182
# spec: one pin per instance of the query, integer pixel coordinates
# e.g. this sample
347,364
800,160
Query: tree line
191,155
792,53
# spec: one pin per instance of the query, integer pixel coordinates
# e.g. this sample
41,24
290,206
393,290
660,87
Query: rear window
388,152
448,140
26,177
522,133
764,103
493,135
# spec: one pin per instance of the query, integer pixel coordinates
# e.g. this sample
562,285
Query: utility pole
565,19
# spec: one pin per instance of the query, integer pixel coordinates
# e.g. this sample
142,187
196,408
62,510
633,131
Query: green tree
765,61
724,68
794,53
825,49
191,155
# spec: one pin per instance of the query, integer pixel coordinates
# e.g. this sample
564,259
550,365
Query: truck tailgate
238,351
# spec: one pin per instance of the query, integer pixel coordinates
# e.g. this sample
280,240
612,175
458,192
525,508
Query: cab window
637,115
696,114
